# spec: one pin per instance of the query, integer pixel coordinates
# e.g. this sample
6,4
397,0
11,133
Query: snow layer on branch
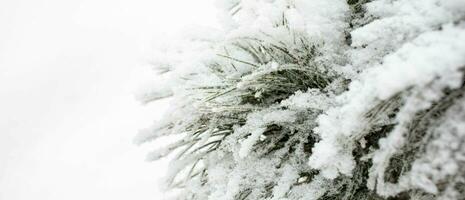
432,56
397,22
311,99
444,156
324,21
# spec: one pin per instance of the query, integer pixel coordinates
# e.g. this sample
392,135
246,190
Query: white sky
67,114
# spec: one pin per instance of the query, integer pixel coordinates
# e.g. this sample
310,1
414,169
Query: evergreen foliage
294,99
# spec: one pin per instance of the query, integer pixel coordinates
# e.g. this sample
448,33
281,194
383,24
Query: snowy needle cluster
317,100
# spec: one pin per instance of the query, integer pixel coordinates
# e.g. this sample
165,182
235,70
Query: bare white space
68,70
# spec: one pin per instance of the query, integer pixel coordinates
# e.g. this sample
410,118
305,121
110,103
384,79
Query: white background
68,69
